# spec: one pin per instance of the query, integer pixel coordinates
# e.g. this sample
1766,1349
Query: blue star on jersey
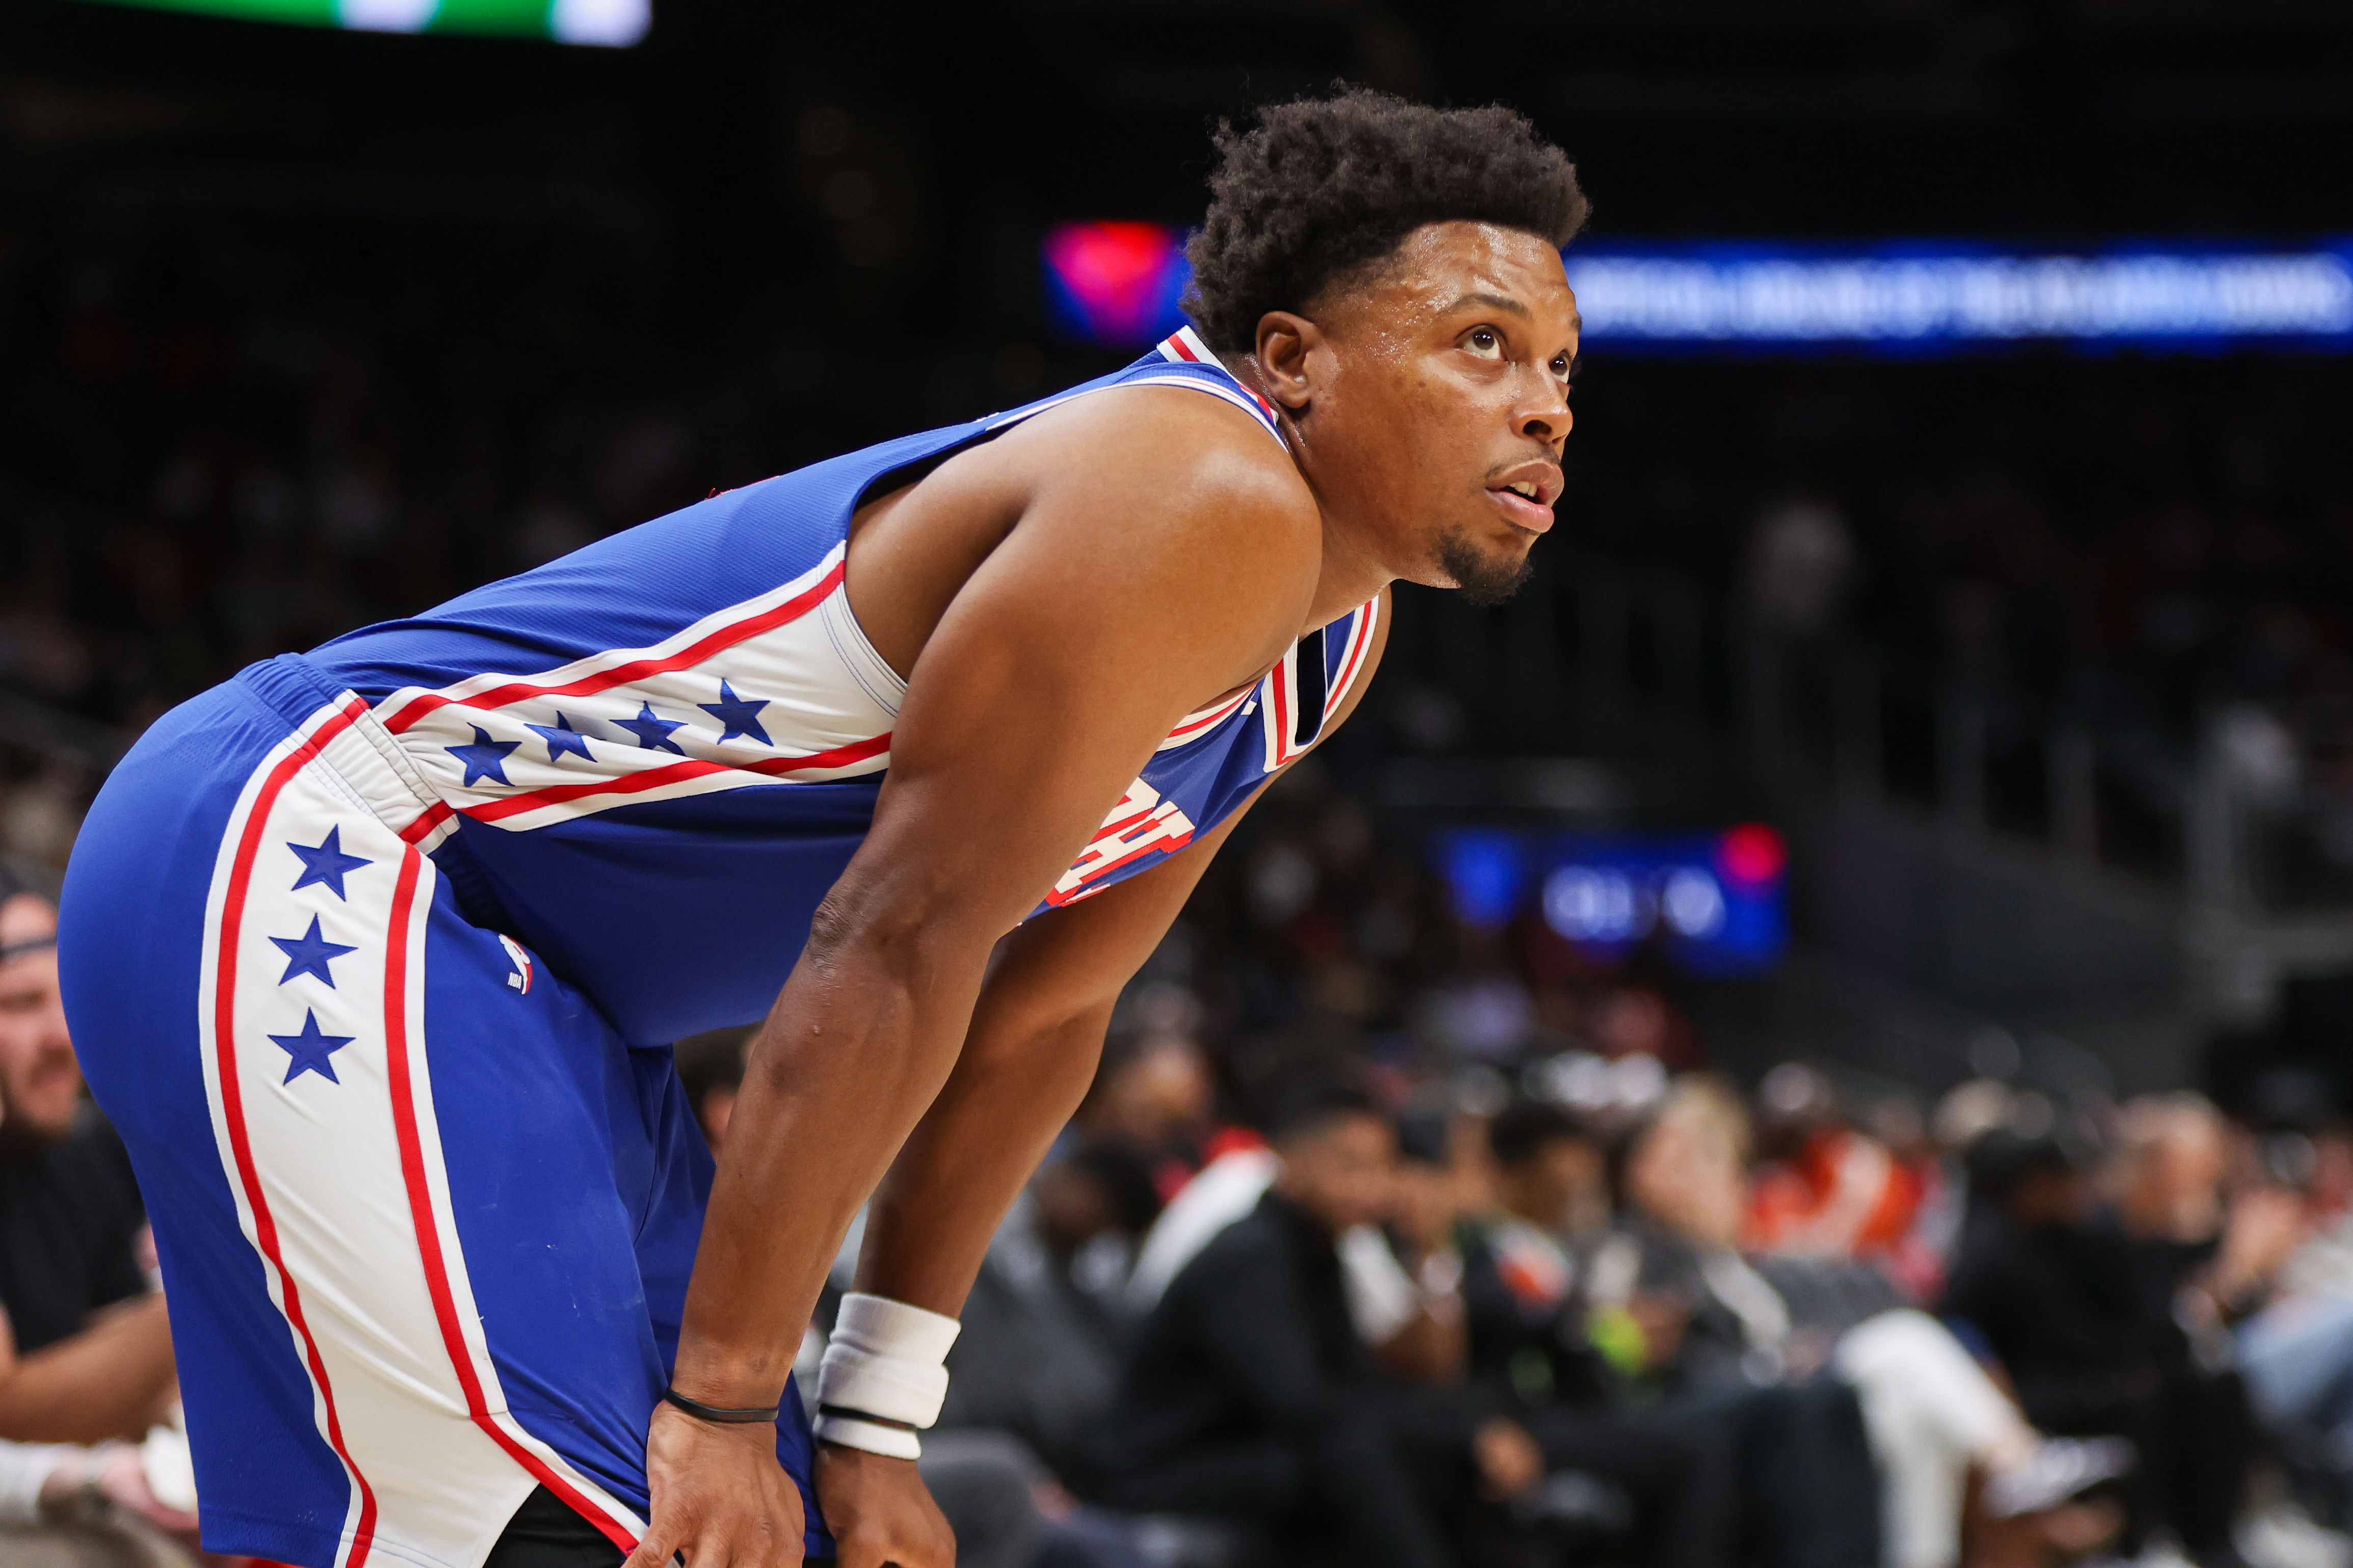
652,733
561,738
737,716
486,758
311,1049
326,863
310,953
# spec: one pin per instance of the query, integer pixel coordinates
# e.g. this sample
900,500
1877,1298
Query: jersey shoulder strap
1181,359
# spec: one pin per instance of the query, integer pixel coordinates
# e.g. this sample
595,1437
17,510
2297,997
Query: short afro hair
1320,188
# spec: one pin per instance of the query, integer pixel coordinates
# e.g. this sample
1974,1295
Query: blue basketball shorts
426,1220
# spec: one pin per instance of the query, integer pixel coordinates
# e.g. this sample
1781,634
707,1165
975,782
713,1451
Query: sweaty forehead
1439,265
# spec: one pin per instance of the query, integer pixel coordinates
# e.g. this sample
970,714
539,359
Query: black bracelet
846,1413
748,1415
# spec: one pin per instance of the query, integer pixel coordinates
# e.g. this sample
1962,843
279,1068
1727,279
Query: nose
1545,416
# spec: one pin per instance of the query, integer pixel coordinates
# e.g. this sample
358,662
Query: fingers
710,1548
656,1547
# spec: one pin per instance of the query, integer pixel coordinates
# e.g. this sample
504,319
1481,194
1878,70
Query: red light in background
1752,854
1118,275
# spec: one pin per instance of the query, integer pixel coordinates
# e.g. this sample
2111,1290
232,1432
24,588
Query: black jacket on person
1252,1339
2062,1306
70,1222
1524,1352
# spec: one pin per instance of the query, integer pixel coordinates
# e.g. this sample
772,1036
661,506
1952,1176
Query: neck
1350,575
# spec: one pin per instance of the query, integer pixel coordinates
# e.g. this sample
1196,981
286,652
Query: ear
1284,344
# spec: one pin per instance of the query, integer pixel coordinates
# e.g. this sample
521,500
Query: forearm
856,1047
1016,1084
108,1381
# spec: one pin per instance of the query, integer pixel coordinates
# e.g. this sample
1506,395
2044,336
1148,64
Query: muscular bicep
1115,607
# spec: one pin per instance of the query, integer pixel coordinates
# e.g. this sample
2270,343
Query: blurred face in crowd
1072,1208
1158,1095
41,1083
1559,1187
1432,401
1685,1173
2048,1193
1341,1169
2173,1163
1426,1200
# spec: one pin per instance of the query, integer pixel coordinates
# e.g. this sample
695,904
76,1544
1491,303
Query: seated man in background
1529,1347
1857,1421
70,1224
1252,1396
1045,1328
94,1350
2065,1300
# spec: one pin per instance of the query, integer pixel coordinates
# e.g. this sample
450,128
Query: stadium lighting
610,22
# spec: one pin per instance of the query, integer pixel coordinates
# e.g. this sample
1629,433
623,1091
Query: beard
1479,577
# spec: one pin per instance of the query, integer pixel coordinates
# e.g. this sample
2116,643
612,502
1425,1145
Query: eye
1484,342
1564,368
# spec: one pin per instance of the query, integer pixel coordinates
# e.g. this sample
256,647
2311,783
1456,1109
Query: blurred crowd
1456,1318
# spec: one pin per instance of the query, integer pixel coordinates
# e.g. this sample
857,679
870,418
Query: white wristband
882,1375
850,1432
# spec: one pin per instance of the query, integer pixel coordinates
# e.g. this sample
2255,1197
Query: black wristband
846,1414
748,1415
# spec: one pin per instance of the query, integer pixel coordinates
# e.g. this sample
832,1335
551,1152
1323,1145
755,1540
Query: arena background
2031,657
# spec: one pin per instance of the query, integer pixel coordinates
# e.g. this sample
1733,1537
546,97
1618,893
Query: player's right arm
1161,551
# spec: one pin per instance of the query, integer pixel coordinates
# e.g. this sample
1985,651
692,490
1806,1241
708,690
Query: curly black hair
1321,188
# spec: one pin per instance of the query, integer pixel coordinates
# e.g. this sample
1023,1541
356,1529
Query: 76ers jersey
651,759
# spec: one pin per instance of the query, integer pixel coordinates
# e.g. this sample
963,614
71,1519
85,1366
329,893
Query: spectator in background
1531,1355
1046,1327
1252,1397
1153,1093
94,1346
2205,1258
1822,1188
1853,1412
69,1223
2066,1305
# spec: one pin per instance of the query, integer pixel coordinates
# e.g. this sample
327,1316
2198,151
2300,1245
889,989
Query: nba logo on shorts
521,979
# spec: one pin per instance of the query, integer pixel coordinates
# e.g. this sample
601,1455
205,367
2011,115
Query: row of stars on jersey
311,1048
484,758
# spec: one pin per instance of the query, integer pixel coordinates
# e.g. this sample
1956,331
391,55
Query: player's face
1447,404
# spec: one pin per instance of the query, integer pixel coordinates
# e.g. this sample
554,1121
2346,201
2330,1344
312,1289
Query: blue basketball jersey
651,759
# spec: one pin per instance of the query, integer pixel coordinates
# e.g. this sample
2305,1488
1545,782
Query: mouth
1525,500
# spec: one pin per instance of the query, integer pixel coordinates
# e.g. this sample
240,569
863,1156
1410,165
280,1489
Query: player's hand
719,1497
880,1512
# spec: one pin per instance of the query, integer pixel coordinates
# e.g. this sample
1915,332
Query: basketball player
374,953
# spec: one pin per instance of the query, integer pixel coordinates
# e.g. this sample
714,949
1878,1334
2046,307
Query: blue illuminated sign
1713,902
1916,296
1118,283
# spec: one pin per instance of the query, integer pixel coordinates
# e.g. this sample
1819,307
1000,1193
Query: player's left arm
1037,1033
1036,1036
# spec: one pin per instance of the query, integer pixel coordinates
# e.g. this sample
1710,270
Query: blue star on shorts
311,1049
326,862
310,953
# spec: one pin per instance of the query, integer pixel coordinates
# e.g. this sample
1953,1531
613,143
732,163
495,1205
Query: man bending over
375,953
